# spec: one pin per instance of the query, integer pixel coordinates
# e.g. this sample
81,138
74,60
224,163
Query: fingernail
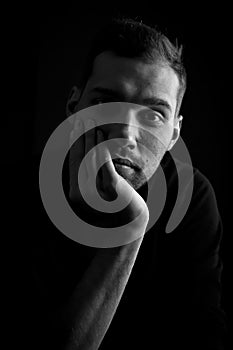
77,124
71,119
71,138
99,133
90,123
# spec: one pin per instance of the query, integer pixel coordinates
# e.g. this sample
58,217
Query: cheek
152,149
154,142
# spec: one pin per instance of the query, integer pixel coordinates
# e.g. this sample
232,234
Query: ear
73,100
176,131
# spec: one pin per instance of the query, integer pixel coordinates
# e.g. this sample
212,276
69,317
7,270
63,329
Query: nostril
126,143
122,141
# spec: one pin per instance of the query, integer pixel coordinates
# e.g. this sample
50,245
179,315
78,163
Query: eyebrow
155,101
149,101
108,92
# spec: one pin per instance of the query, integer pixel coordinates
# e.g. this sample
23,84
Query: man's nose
123,135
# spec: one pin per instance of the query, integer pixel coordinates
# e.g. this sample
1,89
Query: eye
99,101
152,116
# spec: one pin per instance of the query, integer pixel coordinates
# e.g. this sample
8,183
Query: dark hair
130,38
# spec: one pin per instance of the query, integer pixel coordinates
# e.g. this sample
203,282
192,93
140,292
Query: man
158,291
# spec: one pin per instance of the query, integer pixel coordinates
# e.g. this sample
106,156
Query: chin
136,179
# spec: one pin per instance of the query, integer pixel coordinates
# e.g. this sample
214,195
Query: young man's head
131,62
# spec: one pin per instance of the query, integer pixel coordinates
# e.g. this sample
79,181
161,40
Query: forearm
97,296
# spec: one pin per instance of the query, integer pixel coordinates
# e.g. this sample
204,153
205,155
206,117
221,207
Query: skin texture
136,82
90,310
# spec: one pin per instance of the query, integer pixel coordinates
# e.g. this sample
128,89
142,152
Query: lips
123,161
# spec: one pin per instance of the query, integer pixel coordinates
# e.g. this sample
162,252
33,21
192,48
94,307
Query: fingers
90,151
85,148
109,173
77,141
76,152
90,138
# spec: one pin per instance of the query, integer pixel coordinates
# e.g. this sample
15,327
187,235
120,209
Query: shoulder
191,210
203,205
201,224
194,192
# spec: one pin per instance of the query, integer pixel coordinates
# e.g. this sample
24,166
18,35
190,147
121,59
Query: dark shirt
173,296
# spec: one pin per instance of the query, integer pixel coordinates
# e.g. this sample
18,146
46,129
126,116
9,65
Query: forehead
135,79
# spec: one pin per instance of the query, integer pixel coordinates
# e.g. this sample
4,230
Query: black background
39,46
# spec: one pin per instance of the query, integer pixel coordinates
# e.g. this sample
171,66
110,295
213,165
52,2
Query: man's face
154,86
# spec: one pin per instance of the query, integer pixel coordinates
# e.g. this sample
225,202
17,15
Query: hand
110,185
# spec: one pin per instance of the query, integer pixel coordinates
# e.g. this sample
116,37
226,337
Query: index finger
76,154
77,142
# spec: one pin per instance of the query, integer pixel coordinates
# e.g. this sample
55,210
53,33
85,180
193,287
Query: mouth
125,163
